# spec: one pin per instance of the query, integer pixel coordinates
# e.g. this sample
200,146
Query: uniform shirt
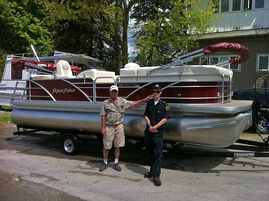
115,114
157,112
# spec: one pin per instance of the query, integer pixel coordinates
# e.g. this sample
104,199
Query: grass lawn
5,114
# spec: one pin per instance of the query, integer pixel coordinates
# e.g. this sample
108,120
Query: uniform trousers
154,150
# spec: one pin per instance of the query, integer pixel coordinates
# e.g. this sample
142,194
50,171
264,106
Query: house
244,22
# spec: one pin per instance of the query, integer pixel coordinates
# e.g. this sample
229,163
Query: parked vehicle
260,97
200,97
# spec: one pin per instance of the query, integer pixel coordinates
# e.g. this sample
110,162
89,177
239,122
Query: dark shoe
148,175
117,167
103,167
157,181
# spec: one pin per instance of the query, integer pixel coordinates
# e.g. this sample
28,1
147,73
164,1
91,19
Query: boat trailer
242,148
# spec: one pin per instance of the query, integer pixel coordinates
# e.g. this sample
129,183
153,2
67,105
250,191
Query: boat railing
15,93
225,83
32,54
235,48
181,60
95,83
37,68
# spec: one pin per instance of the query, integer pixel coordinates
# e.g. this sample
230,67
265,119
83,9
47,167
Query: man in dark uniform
156,114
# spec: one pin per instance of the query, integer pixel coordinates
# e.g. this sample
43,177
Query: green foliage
6,117
90,27
170,28
3,56
22,23
98,28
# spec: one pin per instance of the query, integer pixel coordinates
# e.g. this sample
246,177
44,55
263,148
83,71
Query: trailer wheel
70,145
262,127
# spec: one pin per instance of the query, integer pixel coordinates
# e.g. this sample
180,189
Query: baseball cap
157,86
114,87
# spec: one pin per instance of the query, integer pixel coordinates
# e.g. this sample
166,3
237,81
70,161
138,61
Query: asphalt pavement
33,168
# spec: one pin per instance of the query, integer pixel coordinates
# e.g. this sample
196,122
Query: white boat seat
64,70
130,69
109,76
36,77
190,72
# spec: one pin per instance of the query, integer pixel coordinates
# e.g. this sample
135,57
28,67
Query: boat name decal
128,84
64,90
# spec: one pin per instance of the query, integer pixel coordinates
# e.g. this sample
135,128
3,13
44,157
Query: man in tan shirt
112,113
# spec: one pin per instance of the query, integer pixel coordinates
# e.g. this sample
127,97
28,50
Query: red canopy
19,63
235,48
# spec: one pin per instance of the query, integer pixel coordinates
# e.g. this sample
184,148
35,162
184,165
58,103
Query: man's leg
105,153
149,148
158,154
117,156
117,153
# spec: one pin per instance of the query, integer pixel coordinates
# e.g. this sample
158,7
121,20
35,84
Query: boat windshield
90,65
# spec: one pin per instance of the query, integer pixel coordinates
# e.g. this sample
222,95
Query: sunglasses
156,92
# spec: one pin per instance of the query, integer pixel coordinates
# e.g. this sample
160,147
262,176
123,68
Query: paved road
34,168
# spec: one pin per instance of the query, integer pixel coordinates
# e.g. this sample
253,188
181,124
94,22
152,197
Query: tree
3,56
126,7
91,27
170,28
22,23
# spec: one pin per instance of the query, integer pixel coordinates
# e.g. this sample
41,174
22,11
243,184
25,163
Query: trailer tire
70,145
261,127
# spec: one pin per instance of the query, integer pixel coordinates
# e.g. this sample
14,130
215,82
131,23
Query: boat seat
109,76
130,69
36,77
64,70
190,72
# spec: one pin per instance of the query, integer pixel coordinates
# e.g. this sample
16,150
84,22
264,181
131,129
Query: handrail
13,95
47,72
94,85
224,47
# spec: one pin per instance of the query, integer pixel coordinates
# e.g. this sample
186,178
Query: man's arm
148,121
158,125
142,100
154,129
103,120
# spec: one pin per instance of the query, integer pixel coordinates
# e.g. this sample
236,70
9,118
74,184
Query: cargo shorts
114,134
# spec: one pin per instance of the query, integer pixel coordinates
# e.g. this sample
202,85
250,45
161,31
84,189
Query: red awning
235,48
19,63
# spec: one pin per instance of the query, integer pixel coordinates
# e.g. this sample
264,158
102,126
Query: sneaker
157,181
103,167
117,167
148,175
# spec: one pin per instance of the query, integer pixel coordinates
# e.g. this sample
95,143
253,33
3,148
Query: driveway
33,168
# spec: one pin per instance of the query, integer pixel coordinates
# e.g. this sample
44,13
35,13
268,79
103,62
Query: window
213,60
224,5
247,4
263,62
259,4
231,5
223,59
236,5
234,67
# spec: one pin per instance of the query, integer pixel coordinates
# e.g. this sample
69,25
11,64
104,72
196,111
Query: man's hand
153,129
148,98
103,131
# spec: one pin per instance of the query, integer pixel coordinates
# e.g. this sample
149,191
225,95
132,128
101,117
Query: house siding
247,27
